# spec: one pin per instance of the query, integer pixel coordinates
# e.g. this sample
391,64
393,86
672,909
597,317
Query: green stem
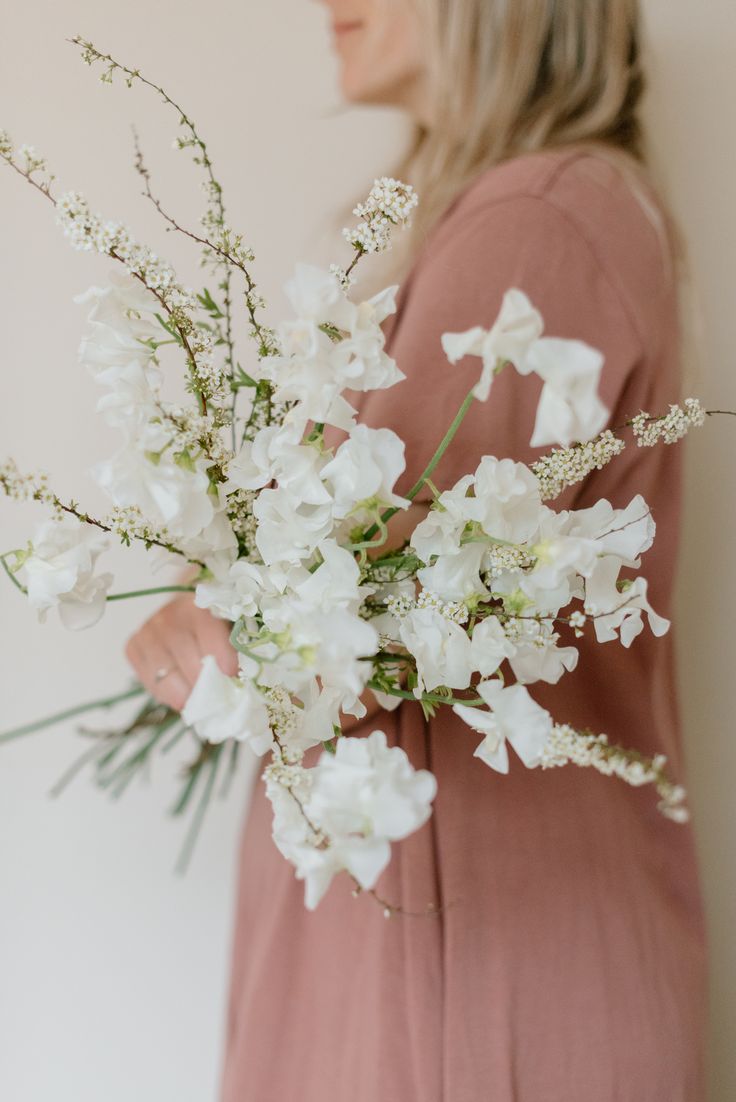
429,698
10,573
151,592
70,713
196,824
431,466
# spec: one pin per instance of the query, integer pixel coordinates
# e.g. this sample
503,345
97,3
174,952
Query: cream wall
112,969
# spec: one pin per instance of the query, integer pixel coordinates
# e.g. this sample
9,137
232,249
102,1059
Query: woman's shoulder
589,204
590,187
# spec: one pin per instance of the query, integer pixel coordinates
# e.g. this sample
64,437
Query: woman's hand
167,652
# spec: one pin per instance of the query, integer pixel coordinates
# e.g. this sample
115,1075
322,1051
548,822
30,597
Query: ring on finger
162,672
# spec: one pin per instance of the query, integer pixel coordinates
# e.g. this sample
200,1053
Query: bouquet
288,537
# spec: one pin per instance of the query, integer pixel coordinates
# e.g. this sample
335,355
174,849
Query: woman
566,962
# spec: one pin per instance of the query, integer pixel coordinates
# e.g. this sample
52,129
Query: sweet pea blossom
619,611
221,707
363,797
514,332
440,648
365,468
514,717
506,501
569,407
59,572
121,321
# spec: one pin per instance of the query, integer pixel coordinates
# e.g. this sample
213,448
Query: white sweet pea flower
514,718
507,502
238,594
440,647
316,295
626,533
301,643
363,797
288,532
617,611
59,572
456,577
569,408
276,453
363,362
365,468
174,495
221,707
312,384
440,531
335,583
514,332
489,646
540,659
131,401
122,319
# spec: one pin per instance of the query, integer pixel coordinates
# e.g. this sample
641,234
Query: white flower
288,532
540,659
221,707
489,646
238,594
120,323
316,295
616,611
440,531
364,364
276,453
365,468
440,647
174,495
301,643
334,584
507,502
516,329
456,577
363,797
59,572
514,718
569,407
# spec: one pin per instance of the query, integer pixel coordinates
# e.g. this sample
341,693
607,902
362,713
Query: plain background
112,969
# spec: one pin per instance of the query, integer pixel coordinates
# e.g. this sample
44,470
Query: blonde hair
510,77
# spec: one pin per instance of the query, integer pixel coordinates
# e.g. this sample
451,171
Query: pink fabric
567,964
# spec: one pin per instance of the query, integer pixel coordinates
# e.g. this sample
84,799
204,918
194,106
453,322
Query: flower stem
70,713
150,592
431,466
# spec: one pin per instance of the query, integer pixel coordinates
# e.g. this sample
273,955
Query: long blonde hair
510,77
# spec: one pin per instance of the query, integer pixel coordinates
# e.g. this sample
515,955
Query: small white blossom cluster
89,232
390,203
129,524
567,746
565,467
672,427
25,487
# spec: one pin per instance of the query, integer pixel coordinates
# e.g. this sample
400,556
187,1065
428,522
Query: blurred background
113,968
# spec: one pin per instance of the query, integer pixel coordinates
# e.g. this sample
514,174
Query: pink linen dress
567,964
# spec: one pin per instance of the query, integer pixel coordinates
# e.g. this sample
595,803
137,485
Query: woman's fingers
213,637
157,669
166,652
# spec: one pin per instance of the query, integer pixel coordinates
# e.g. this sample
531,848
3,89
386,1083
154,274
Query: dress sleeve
459,282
